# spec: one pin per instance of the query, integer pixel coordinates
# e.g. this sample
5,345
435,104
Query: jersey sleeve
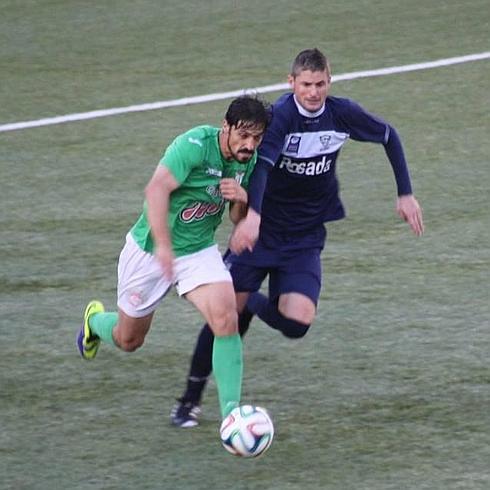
256,187
361,125
184,154
364,126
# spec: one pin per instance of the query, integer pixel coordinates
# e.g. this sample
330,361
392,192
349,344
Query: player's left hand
232,191
409,210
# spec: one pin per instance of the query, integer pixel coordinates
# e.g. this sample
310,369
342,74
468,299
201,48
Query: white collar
306,113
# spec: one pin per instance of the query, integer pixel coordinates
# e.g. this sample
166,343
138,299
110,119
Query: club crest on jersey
199,210
293,144
239,177
325,141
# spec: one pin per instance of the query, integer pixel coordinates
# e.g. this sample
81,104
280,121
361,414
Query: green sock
227,369
102,324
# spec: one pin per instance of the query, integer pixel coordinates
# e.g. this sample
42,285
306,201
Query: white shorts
142,286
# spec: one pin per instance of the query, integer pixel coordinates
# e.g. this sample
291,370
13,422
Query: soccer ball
247,431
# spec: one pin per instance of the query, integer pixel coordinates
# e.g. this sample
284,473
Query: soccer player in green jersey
173,243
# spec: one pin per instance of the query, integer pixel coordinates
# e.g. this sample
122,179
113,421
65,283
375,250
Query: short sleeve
184,154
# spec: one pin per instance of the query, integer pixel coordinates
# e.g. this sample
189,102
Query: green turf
389,390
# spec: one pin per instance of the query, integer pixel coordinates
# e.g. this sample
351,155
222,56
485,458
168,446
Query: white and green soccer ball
247,431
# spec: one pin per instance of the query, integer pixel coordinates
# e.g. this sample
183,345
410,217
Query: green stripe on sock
102,324
228,369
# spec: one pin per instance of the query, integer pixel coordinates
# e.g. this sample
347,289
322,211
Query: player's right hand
410,211
165,257
232,191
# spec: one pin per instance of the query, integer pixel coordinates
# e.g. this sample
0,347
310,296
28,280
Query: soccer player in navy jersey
293,191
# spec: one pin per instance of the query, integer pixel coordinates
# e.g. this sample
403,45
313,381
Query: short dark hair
248,111
310,59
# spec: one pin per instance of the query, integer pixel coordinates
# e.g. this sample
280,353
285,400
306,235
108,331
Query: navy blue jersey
302,189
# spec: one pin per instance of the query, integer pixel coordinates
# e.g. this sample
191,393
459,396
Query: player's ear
291,81
225,127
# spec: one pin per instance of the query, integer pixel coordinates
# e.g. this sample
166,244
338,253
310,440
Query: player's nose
250,144
313,91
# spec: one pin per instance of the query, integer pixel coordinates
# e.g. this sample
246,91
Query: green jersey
196,206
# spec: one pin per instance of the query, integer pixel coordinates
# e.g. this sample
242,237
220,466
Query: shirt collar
306,113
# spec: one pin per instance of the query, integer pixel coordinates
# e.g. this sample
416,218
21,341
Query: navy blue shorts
289,271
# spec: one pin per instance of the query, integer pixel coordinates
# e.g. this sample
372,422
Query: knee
130,344
224,323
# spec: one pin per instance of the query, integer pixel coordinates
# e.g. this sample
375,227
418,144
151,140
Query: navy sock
202,359
201,366
268,312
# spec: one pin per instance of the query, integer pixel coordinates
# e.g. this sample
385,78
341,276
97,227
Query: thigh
249,269
204,280
300,272
247,278
216,302
200,268
297,284
248,272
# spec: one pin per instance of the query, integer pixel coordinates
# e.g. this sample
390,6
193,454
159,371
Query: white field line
235,93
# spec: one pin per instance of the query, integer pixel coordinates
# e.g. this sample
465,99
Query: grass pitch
391,387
